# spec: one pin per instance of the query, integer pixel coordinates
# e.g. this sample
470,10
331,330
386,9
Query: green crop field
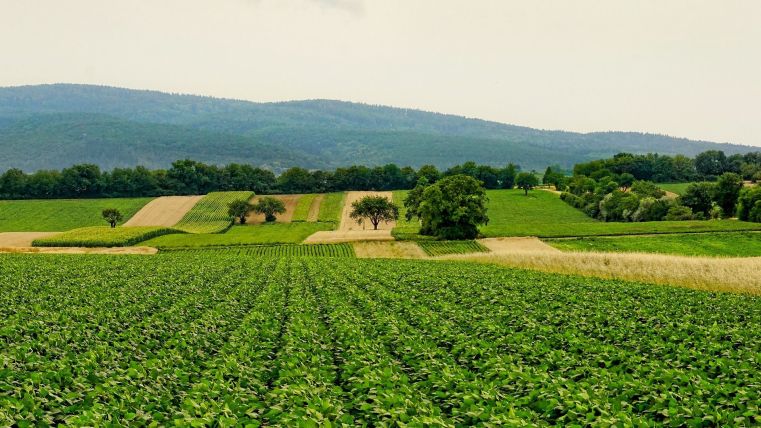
59,215
274,233
302,207
311,250
733,244
331,207
104,236
214,339
209,215
441,248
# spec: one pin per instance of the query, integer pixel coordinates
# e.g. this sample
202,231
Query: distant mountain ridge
54,126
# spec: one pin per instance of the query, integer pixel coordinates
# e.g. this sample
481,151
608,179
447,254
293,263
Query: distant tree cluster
610,200
188,177
706,166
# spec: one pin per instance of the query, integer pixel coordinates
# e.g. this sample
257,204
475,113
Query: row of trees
708,166
611,198
187,177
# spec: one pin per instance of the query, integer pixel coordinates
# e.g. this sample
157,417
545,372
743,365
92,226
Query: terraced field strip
331,207
303,207
290,202
163,211
441,248
314,209
188,339
58,215
388,250
317,250
209,215
22,239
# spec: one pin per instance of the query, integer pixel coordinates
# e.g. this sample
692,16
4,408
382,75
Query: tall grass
739,275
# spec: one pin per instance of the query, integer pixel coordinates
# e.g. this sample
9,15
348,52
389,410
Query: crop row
209,215
306,250
103,236
216,338
441,248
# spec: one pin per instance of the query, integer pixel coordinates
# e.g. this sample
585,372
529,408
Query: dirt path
22,239
163,211
499,246
314,209
78,250
348,224
290,202
389,250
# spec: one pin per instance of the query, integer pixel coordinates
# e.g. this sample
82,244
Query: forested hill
54,126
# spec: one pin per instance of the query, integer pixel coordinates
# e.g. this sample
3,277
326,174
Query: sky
687,68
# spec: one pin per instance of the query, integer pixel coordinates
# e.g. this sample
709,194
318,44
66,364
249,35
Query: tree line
189,177
706,166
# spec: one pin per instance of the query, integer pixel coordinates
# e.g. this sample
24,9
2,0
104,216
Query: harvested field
163,211
22,239
738,275
314,209
388,250
347,223
516,245
290,202
336,236
79,250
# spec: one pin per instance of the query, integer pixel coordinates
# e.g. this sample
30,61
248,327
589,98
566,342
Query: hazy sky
688,68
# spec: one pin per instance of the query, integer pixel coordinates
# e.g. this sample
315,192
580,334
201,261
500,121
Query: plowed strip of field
314,210
337,236
163,211
389,250
22,239
516,245
290,202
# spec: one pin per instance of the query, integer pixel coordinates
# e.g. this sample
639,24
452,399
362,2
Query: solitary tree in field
374,208
526,181
452,208
112,216
269,206
239,209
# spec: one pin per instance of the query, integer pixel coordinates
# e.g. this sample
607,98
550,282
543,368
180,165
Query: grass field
316,250
59,215
732,244
209,215
104,236
677,188
441,248
274,233
331,207
193,340
302,208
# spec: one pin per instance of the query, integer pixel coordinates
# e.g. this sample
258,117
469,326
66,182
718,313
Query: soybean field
215,339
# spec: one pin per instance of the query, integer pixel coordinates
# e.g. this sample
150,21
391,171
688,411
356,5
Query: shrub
747,202
679,213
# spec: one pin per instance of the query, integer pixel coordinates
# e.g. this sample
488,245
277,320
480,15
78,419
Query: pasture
58,215
331,207
731,244
206,338
274,233
677,188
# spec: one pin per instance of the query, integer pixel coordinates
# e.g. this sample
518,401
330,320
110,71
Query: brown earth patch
516,245
388,250
163,211
79,250
22,239
314,209
347,223
336,236
290,202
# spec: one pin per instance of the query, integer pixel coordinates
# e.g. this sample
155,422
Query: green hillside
51,126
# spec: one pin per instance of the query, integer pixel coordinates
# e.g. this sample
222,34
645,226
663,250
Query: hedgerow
212,339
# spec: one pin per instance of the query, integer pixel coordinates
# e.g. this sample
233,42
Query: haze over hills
55,126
